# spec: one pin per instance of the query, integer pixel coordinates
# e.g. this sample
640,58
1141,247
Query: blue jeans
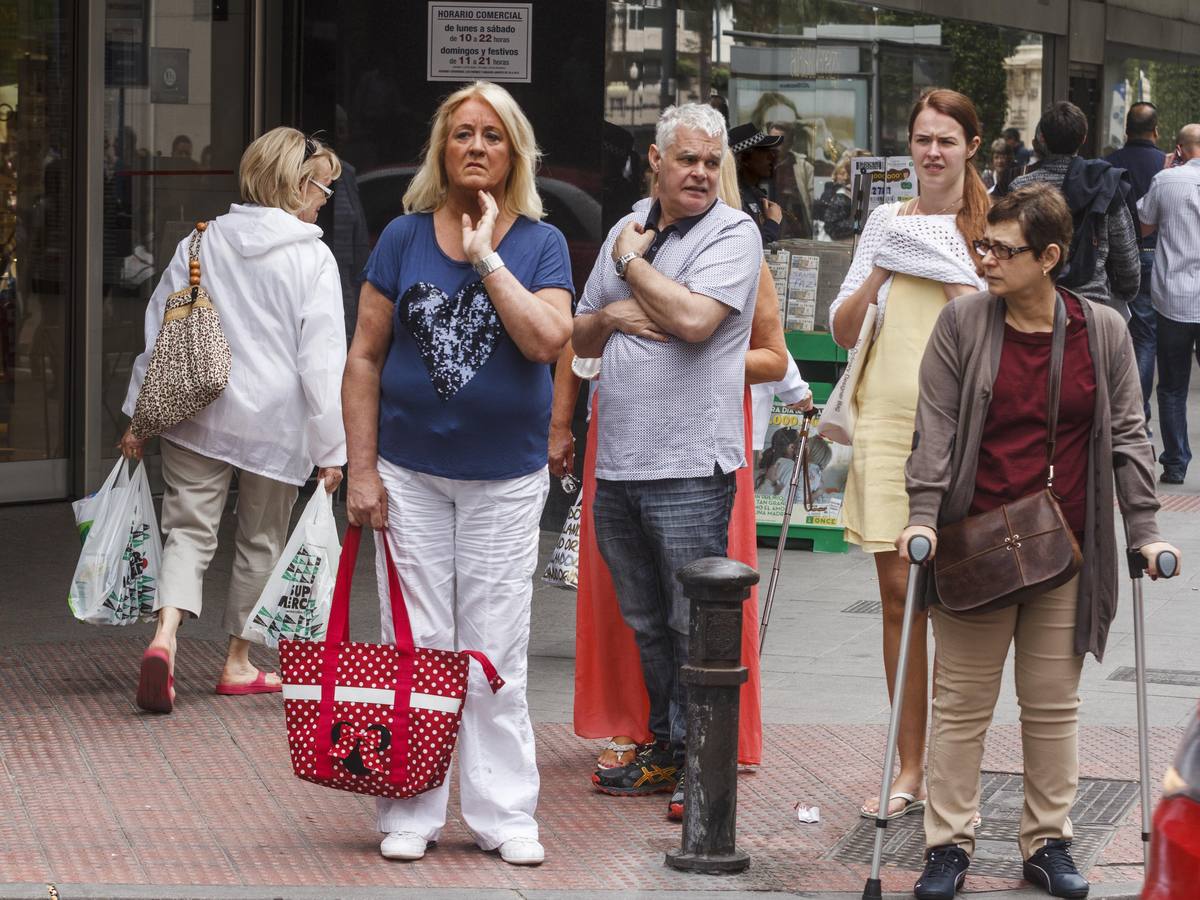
647,531
1141,329
1177,343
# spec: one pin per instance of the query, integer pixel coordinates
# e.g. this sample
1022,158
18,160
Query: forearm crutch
1168,566
919,550
793,486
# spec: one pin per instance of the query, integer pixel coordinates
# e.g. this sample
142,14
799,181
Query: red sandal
156,684
258,686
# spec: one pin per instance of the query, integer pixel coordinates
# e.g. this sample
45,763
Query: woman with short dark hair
980,442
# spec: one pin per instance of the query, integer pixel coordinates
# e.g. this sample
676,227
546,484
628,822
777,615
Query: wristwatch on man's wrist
489,264
622,263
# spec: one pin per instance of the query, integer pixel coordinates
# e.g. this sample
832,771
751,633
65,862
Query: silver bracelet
489,264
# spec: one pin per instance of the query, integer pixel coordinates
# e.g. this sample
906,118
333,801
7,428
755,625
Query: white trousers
466,552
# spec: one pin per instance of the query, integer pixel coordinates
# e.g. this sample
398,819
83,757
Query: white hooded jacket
276,287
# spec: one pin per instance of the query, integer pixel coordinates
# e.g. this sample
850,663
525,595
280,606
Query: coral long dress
610,695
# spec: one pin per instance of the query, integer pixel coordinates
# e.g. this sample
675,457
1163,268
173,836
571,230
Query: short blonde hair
276,167
427,191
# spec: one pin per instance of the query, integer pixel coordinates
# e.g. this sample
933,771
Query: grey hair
698,116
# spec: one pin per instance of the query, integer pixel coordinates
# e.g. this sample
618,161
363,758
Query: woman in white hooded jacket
276,287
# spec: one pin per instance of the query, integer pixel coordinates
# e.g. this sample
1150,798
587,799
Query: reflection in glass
35,141
834,79
174,130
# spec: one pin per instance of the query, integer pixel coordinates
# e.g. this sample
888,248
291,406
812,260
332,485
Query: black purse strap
1054,385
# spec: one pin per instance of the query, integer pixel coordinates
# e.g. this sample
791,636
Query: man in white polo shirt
668,307
1172,207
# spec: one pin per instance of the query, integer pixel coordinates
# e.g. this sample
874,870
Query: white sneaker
403,845
522,851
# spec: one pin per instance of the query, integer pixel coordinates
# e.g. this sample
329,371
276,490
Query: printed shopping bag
563,569
373,718
295,602
116,578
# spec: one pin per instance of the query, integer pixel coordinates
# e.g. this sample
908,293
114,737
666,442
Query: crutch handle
1167,563
919,548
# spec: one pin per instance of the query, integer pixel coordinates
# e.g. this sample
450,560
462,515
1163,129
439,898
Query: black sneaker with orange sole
653,771
675,805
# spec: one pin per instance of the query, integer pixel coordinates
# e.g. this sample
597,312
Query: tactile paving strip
1183,677
1100,806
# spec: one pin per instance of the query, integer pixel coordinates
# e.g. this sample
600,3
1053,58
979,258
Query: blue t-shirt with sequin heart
457,398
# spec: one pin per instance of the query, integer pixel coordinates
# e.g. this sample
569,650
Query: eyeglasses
1000,251
327,191
310,147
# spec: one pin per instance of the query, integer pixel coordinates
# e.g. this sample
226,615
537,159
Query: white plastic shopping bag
563,568
295,603
116,578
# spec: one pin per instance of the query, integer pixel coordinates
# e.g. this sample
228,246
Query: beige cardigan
957,373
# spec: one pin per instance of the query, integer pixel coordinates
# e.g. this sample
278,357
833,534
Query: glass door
176,117
36,162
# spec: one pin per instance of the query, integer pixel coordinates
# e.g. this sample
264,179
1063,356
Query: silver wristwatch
622,263
489,264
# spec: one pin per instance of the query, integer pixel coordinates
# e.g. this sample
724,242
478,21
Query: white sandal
911,804
616,748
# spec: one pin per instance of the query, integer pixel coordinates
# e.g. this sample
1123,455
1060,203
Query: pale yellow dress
875,509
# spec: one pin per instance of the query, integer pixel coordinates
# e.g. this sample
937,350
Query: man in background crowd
1020,153
1104,265
1172,209
1142,159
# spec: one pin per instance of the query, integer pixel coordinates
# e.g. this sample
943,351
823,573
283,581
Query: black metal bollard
714,674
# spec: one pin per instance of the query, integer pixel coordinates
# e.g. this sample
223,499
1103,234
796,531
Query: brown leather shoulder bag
1018,550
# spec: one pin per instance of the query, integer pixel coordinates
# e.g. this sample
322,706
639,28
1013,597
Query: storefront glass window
1173,86
835,79
176,89
35,251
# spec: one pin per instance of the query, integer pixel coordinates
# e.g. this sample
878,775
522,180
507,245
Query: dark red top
1012,456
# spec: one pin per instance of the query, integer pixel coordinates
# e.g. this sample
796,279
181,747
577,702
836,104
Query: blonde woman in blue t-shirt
466,301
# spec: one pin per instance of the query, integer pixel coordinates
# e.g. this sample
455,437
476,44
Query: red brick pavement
92,791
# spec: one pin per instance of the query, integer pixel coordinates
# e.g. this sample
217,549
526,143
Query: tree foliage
978,69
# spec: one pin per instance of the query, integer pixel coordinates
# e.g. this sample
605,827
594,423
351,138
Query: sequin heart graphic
455,335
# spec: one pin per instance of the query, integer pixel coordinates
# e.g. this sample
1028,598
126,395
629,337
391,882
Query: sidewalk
102,801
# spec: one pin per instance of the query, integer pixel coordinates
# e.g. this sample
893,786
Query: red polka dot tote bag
373,718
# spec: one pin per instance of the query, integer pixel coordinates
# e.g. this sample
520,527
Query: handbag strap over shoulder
1054,384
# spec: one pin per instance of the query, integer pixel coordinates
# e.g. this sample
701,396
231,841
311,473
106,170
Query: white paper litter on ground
808,815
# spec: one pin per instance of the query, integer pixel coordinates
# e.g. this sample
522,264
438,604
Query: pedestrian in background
466,301
1142,159
1171,209
1021,154
911,260
668,307
1104,264
275,285
1001,170
757,154
980,442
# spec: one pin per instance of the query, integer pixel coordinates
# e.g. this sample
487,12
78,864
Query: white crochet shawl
923,246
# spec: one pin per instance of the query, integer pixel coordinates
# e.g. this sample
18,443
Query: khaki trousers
971,649
196,489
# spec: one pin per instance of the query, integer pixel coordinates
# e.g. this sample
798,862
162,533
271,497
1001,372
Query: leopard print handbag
189,367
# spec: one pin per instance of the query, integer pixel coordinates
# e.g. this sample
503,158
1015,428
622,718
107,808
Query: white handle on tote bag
839,416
